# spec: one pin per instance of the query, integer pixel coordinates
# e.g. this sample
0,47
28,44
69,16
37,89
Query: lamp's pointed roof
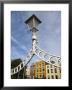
33,16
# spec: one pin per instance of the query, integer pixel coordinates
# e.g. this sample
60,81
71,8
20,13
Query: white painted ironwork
54,60
22,64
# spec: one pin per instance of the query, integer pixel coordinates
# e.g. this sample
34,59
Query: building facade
38,70
28,73
32,71
53,72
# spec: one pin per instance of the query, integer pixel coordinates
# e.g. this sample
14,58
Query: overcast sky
49,34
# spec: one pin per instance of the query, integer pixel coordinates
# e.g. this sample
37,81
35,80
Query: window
40,70
52,77
60,70
43,75
37,70
48,70
51,66
42,64
51,70
48,77
43,69
56,76
37,76
40,75
55,70
48,66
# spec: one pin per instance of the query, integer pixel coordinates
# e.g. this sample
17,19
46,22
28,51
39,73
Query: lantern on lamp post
33,22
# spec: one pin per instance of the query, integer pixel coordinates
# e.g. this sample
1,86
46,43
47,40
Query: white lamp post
33,22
